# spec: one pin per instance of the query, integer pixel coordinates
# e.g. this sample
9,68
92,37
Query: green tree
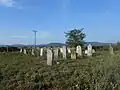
75,37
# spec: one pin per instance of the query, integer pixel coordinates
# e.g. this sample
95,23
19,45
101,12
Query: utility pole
34,38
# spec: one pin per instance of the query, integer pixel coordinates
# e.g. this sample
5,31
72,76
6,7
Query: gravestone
93,50
89,50
25,52
68,49
55,50
86,51
111,50
41,52
64,52
49,56
21,50
79,51
37,48
58,63
61,50
37,51
29,51
33,52
73,53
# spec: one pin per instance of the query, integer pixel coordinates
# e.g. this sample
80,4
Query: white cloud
8,3
20,36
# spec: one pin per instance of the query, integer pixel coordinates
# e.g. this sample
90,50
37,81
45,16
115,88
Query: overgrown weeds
22,72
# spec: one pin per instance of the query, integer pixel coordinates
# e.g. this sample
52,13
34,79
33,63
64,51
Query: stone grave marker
68,49
79,51
111,49
55,50
41,52
49,56
33,53
73,53
64,52
25,52
89,50
21,50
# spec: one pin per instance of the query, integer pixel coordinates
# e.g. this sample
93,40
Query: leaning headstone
33,52
64,52
41,52
111,50
89,51
21,50
25,52
55,54
73,53
49,57
79,51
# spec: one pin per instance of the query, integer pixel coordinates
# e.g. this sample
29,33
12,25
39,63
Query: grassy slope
21,72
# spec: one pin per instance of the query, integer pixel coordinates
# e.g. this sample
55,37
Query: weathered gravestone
21,50
25,52
68,49
60,53
93,50
32,52
89,50
29,51
79,51
86,51
49,56
55,50
37,51
73,53
61,50
64,52
111,49
41,51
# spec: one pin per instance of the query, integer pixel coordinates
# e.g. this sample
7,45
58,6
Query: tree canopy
75,37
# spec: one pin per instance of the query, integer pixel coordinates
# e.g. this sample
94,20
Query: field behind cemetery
24,72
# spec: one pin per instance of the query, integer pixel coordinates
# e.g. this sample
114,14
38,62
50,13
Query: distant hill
42,45
59,44
18,45
92,43
98,43
55,44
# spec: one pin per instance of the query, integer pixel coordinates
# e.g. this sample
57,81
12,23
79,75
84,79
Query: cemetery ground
25,72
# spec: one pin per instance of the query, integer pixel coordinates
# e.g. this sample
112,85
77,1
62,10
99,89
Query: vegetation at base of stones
23,72
75,37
